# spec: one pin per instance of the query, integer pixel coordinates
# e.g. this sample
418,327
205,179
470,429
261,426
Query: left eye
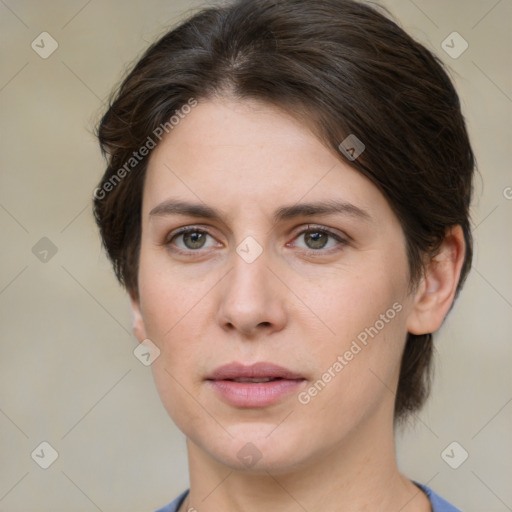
316,239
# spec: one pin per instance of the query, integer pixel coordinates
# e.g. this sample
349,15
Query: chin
259,448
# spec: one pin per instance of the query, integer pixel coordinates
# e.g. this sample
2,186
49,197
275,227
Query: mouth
264,379
252,386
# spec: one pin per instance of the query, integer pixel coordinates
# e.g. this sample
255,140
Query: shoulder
438,504
175,504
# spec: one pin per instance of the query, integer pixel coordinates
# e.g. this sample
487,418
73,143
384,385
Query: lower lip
258,394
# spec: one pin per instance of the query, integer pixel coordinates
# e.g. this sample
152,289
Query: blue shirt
438,504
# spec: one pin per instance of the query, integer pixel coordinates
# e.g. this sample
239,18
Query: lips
236,371
258,385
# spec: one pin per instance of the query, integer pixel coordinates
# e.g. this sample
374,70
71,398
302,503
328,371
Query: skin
297,305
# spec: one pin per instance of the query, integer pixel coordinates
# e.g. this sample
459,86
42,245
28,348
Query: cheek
168,298
172,305
359,363
169,322
349,302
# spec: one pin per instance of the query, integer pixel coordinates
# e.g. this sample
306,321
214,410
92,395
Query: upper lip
259,370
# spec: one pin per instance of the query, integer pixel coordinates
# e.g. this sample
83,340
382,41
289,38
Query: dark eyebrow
174,207
320,208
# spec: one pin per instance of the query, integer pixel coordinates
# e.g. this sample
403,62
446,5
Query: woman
286,202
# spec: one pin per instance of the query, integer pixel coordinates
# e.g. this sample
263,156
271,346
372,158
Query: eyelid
190,227
324,229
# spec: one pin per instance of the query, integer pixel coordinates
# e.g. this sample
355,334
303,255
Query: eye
318,239
190,239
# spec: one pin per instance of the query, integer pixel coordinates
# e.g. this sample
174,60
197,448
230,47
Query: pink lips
258,385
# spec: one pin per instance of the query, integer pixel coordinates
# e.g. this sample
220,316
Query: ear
139,329
436,291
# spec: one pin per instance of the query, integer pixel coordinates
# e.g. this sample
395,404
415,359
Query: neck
359,474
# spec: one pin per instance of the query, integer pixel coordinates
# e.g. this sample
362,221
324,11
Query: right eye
190,239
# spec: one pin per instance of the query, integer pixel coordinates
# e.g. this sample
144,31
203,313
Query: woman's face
316,296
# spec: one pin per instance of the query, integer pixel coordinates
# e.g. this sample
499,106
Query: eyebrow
201,210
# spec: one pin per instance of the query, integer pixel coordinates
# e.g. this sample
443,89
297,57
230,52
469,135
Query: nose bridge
251,255
251,298
249,281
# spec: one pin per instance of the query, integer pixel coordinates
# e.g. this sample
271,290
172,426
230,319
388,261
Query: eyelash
310,229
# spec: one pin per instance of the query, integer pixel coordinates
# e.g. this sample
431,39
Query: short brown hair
346,68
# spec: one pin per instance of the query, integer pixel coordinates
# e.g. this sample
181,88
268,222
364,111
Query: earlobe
436,292
139,328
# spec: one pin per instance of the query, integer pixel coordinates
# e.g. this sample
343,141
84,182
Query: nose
252,300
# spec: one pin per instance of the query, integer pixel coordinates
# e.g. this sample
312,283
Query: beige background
67,372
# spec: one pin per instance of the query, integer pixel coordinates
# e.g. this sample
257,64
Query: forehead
231,131
250,154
